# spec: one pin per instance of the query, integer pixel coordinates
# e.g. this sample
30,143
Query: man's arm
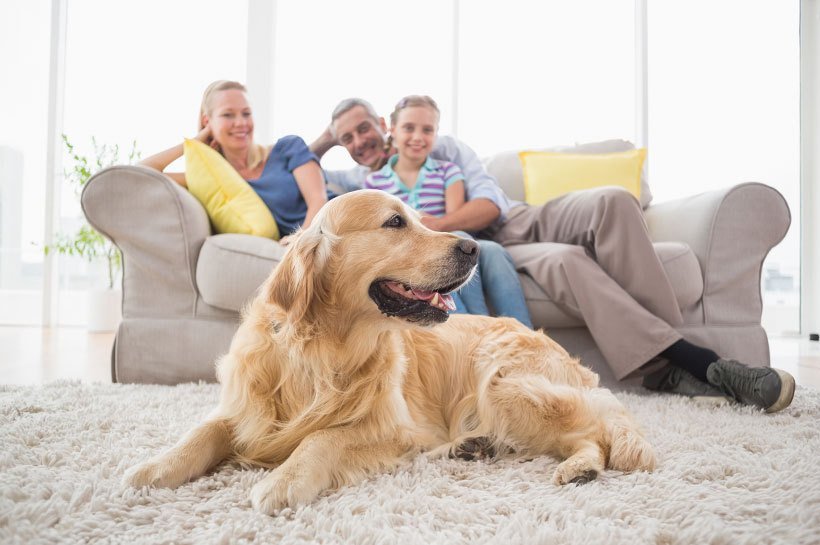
479,184
347,180
474,215
323,143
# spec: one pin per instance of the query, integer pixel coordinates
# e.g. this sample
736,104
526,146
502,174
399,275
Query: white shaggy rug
726,475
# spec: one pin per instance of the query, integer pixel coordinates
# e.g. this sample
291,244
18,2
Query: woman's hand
285,240
206,137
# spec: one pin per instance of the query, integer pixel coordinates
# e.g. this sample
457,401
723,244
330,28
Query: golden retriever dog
347,363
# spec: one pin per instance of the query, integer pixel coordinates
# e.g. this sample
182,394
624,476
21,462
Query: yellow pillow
231,203
549,174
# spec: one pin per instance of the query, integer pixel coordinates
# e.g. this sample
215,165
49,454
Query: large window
381,51
25,27
723,95
539,74
136,71
724,107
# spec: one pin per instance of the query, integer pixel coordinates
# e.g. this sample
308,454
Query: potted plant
104,305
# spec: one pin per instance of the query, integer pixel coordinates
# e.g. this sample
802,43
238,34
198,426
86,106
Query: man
591,253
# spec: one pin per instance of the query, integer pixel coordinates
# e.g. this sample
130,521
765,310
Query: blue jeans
497,278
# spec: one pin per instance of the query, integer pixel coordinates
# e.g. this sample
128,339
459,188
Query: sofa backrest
506,166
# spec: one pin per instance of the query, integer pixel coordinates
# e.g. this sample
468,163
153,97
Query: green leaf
87,242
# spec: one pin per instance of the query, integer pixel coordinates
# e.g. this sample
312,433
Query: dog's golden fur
324,387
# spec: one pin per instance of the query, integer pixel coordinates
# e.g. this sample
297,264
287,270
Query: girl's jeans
496,278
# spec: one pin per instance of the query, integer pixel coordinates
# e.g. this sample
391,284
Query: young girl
437,188
286,175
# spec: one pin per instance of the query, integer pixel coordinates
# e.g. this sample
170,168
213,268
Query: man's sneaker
764,387
679,381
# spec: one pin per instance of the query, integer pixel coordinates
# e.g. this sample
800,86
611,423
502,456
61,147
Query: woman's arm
161,160
312,186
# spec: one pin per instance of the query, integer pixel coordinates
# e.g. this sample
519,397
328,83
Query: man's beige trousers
593,256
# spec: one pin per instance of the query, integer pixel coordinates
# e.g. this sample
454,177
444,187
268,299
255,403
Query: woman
286,175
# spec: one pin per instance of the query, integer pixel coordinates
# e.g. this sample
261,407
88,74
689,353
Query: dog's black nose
469,248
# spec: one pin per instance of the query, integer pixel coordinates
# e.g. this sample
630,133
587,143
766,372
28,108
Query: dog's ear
292,284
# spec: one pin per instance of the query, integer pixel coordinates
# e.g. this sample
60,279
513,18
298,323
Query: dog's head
366,254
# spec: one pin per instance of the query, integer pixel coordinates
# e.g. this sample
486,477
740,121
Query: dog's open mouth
423,305
443,301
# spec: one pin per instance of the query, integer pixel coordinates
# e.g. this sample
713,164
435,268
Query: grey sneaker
764,387
679,381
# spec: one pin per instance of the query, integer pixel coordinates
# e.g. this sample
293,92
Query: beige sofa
183,285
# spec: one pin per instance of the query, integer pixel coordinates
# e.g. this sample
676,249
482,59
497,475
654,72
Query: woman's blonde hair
410,101
257,152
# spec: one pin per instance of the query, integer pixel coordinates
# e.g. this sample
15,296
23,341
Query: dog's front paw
576,471
152,473
474,448
278,490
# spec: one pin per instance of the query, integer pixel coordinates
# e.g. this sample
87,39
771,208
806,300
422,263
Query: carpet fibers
726,475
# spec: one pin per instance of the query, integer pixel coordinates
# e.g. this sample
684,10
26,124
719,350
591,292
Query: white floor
34,355
799,356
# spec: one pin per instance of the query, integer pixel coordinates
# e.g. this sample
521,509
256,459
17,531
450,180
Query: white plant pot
104,310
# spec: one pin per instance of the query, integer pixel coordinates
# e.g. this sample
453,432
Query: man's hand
472,216
324,142
432,222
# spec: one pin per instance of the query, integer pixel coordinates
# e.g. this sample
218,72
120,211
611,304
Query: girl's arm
161,160
454,197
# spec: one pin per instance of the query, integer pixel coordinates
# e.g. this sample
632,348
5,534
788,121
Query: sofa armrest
730,231
159,227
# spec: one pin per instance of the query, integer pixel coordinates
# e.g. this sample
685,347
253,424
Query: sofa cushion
550,174
507,170
232,204
678,260
545,313
683,270
231,267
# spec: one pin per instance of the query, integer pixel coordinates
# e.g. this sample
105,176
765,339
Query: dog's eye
395,222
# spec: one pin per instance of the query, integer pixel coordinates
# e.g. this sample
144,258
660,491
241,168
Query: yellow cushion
549,174
231,203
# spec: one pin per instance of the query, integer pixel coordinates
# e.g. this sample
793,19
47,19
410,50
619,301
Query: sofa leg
114,360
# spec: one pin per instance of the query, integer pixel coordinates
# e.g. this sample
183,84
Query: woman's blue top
277,187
